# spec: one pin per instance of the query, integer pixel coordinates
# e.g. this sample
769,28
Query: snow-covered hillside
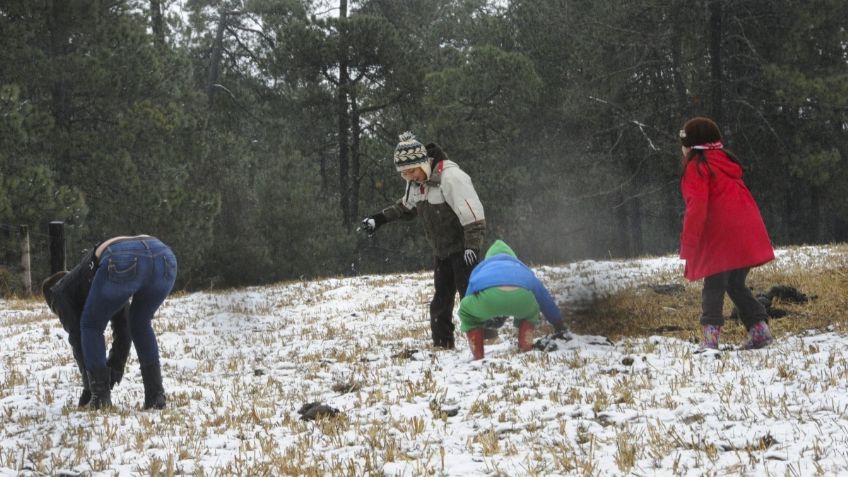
239,365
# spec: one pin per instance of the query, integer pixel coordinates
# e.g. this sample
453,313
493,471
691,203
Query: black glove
372,223
85,397
470,257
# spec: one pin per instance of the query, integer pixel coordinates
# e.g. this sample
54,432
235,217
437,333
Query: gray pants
751,311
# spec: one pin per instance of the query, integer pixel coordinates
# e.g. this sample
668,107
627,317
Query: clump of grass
626,451
489,443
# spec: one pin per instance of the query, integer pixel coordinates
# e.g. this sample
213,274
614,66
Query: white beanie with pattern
410,153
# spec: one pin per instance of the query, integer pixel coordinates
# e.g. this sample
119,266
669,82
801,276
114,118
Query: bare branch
637,123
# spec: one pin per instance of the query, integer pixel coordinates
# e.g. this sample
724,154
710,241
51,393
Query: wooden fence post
25,260
56,231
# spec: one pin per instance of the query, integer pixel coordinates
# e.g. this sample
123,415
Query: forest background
253,135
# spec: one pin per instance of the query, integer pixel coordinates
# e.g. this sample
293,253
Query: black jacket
67,299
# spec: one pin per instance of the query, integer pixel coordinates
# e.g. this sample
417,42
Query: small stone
347,387
405,354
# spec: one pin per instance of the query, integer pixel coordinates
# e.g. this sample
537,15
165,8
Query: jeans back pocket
122,269
170,266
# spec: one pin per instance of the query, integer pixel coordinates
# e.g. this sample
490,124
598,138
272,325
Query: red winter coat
722,228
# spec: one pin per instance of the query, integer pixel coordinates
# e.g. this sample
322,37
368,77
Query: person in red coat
723,233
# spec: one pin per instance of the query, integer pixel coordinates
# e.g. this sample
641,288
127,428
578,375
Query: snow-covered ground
239,365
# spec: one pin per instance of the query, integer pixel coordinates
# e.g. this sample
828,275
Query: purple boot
760,336
711,333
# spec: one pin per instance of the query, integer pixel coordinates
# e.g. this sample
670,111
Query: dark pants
450,276
751,311
141,269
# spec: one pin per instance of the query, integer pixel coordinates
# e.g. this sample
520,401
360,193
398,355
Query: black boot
99,384
154,393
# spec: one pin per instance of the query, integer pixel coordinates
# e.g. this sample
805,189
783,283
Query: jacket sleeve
74,339
403,209
546,303
121,340
473,234
462,198
69,296
695,189
69,315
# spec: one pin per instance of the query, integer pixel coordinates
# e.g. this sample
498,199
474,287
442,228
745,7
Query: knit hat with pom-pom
409,153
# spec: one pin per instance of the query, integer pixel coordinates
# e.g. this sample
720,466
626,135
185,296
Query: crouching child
500,286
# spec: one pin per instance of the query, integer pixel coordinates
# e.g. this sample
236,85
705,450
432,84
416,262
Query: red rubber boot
525,336
475,341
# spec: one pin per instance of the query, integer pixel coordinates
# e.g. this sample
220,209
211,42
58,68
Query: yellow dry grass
641,311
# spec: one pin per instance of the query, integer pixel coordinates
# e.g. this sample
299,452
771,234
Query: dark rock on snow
315,410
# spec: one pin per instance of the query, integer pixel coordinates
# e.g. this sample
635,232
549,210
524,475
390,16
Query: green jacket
448,207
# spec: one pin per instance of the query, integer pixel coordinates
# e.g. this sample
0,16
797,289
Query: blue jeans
141,269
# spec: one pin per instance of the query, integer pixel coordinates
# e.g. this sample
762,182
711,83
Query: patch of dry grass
641,311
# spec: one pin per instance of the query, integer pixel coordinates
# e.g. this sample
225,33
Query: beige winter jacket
449,208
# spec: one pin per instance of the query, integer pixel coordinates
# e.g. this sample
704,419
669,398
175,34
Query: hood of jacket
498,248
719,162
437,168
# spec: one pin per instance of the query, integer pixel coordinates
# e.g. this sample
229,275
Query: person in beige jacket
442,195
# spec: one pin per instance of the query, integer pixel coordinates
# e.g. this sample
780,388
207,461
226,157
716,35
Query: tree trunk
715,62
157,23
60,89
622,227
683,109
26,263
814,221
635,217
59,45
355,178
322,167
215,56
343,120
674,219
840,229
789,216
